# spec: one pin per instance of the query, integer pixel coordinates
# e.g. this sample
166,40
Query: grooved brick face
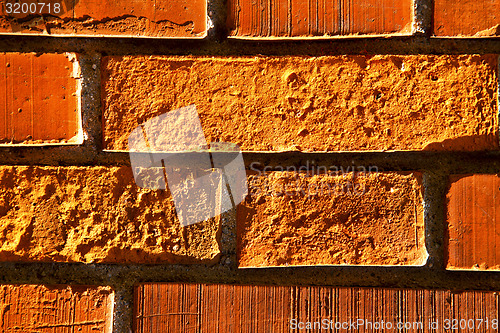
221,308
39,102
340,103
94,214
298,18
151,18
51,309
292,218
473,222
478,18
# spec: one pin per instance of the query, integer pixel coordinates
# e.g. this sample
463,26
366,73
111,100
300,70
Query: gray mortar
423,17
436,167
217,14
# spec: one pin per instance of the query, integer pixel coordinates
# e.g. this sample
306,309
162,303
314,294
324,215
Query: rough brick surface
228,308
298,219
94,214
473,222
297,18
478,18
39,98
311,104
161,18
55,309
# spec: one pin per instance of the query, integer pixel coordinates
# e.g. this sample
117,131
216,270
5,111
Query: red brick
478,18
294,218
54,309
160,18
94,214
229,308
39,98
297,18
345,103
473,240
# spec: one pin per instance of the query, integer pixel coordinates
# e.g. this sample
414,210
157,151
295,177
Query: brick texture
478,18
473,222
39,102
55,309
297,18
339,103
94,214
228,308
299,219
160,18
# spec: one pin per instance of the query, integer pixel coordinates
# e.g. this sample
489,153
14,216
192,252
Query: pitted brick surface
293,219
344,103
94,214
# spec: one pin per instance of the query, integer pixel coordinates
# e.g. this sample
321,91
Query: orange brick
341,103
54,309
161,18
478,18
94,214
292,218
473,222
172,308
297,18
39,98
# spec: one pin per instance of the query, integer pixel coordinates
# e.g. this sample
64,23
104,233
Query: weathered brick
160,18
53,309
311,104
473,241
228,308
94,214
292,218
39,98
478,18
297,18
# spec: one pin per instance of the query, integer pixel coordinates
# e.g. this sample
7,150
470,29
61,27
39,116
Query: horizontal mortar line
356,277
488,162
237,47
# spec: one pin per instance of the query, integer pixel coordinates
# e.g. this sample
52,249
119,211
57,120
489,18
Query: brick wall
369,139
